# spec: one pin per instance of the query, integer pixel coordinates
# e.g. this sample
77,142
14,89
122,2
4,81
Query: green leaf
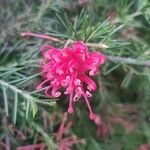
33,108
15,107
5,100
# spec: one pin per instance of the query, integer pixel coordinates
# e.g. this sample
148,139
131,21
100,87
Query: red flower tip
70,110
92,116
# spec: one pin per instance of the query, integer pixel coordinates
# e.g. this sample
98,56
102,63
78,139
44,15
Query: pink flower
66,143
144,147
84,2
102,128
62,141
70,68
37,146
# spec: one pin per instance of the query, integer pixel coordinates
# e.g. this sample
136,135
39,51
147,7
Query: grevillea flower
144,147
66,143
37,146
70,68
102,128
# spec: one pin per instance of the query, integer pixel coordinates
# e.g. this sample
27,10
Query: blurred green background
123,97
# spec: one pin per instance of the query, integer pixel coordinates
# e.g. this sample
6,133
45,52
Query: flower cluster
70,68
66,143
103,130
62,139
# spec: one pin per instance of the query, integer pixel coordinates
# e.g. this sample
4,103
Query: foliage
123,25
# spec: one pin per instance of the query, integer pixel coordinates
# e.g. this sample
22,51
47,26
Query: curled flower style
70,68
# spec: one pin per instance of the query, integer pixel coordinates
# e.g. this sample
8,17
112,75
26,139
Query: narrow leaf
27,108
15,107
5,100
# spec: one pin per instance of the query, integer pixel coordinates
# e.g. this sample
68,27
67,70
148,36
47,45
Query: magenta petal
45,48
103,59
80,47
39,87
47,91
66,52
91,84
96,58
55,93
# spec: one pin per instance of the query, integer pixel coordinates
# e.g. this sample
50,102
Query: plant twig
3,145
23,93
129,60
7,136
51,38
94,45
43,36
97,45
